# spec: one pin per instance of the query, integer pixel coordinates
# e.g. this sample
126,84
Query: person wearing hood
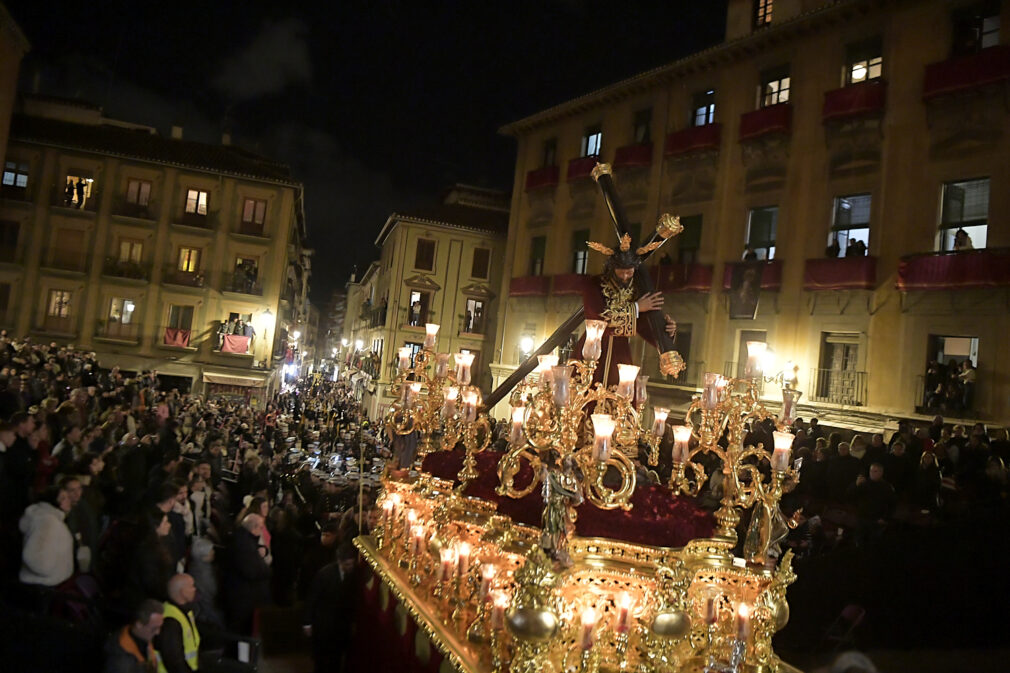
47,556
129,650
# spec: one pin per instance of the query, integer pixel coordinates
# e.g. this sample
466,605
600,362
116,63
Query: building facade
851,147
146,249
440,264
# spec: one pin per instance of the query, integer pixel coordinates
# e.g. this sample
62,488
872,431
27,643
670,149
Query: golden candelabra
436,399
573,433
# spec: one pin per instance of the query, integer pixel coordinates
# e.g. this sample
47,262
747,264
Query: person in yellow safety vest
178,644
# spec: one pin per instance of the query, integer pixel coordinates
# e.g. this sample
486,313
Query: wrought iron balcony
118,268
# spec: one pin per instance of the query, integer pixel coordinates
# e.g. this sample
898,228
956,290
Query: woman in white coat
47,557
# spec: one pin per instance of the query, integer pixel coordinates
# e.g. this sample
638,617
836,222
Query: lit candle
412,393
441,365
783,451
463,363
755,359
711,615
416,540
742,622
411,520
449,407
603,429
448,557
405,354
430,335
547,362
463,552
626,375
471,398
487,573
499,601
397,501
789,399
562,381
588,624
641,390
516,433
681,443
387,514
659,415
714,385
624,612
593,346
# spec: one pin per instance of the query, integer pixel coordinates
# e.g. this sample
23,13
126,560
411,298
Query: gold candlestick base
590,662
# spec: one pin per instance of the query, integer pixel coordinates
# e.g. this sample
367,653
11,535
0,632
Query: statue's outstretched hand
650,301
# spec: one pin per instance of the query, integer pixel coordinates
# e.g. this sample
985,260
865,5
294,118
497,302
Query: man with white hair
178,644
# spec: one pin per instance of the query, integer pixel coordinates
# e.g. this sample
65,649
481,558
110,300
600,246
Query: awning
229,380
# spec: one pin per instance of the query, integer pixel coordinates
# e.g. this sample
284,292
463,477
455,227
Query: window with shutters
15,178
592,139
189,260
9,231
196,202
703,108
976,27
761,228
481,263
763,13
424,255
964,219
180,317
58,306
138,192
131,250
689,240
580,251
538,252
254,212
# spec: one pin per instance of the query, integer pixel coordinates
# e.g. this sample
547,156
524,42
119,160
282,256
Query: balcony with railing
251,229
137,211
838,386
206,222
176,276
965,73
840,273
961,270
66,259
693,139
118,268
542,178
15,193
677,277
242,283
581,168
52,324
765,121
71,201
638,155
118,331
865,99
376,317
530,286
176,337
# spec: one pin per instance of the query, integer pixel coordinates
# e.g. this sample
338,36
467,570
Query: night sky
376,105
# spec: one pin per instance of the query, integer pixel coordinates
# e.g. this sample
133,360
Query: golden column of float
436,400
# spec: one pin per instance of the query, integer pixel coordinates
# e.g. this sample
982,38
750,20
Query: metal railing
176,276
242,283
68,260
126,269
838,386
208,221
116,330
252,229
58,325
120,206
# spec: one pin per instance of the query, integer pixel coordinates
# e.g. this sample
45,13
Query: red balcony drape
840,273
234,343
967,72
772,119
857,100
633,155
541,178
177,337
693,139
955,270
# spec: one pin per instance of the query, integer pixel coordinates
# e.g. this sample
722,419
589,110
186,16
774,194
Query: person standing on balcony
967,377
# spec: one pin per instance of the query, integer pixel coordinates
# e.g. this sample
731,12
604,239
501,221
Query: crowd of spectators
174,516
949,388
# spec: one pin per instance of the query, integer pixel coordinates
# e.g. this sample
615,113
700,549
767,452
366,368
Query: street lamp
343,342
359,344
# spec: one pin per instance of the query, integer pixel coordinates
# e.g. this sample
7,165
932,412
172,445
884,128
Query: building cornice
721,54
396,218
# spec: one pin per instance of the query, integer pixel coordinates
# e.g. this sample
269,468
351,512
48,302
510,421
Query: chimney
226,138
176,133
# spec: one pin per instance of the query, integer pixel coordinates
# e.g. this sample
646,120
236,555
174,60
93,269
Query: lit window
591,141
976,27
762,13
473,319
138,192
196,202
703,108
189,260
774,86
761,229
77,191
850,230
121,311
180,317
863,61
59,303
15,175
964,221
254,211
419,305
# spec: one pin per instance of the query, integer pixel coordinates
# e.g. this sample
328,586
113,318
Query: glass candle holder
516,431
755,359
547,362
641,390
588,620
449,406
593,346
471,398
463,363
603,431
405,355
681,443
413,390
714,385
626,375
441,365
659,415
430,335
561,380
783,450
